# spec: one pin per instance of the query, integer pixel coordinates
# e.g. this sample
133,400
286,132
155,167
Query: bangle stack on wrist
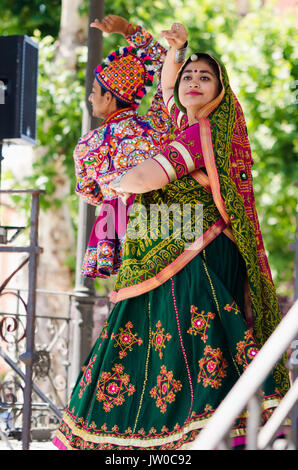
181,54
117,181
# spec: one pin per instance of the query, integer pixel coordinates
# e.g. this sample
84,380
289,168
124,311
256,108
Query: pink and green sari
191,311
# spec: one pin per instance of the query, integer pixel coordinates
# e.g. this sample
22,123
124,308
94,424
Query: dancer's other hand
113,24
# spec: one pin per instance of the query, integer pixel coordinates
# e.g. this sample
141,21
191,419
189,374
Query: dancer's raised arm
177,39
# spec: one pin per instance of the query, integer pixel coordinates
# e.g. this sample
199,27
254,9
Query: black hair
120,104
213,64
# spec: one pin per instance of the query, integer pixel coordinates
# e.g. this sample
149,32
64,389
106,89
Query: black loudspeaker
18,89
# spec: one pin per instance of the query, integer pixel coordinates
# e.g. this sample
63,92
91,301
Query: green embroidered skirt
165,360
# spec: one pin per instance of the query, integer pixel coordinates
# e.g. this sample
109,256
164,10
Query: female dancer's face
198,85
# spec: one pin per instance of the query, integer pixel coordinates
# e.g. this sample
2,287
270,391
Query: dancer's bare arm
176,37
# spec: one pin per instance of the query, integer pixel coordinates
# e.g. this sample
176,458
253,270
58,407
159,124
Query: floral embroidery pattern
231,307
112,387
212,367
200,322
247,349
165,390
159,338
87,378
126,339
104,331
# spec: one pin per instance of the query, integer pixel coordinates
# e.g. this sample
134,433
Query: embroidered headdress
128,73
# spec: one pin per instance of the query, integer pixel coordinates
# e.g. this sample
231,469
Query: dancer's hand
176,36
113,24
115,186
124,197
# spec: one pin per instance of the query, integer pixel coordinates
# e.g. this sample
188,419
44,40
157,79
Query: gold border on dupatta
184,258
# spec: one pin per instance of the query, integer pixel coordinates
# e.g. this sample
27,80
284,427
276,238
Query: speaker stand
1,158
3,231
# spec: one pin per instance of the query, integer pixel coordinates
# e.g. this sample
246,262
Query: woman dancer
192,309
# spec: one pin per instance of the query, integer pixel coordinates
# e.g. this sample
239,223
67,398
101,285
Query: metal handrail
278,417
248,385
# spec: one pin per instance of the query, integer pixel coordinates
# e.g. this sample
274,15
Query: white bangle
117,182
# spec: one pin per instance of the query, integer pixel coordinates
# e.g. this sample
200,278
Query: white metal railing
245,392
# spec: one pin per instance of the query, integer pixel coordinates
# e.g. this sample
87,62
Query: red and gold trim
166,166
111,439
188,159
210,165
119,114
178,159
165,274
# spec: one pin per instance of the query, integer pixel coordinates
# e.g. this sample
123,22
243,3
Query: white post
252,378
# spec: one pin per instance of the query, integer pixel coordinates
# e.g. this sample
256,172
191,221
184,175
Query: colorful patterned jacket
124,139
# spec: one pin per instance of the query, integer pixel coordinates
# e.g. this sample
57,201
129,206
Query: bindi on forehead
198,71
199,66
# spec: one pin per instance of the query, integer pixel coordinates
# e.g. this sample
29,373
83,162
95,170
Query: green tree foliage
25,16
259,52
264,71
